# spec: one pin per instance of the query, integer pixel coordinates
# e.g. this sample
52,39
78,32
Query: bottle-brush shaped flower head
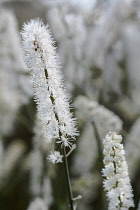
116,182
49,91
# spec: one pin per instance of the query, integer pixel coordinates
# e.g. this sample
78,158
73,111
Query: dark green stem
100,164
137,202
68,179
99,145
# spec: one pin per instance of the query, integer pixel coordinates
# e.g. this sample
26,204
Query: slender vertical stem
64,151
68,179
98,140
100,165
137,202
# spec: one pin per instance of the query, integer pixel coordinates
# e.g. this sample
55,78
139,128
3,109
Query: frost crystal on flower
55,157
50,94
116,182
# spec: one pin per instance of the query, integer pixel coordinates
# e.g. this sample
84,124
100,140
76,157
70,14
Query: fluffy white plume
50,94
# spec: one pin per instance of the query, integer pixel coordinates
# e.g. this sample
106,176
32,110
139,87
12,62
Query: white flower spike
55,157
116,182
49,91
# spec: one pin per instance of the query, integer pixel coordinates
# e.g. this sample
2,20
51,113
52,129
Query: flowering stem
68,178
64,153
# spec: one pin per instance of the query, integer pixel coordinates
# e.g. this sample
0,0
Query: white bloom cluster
55,157
50,94
116,182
